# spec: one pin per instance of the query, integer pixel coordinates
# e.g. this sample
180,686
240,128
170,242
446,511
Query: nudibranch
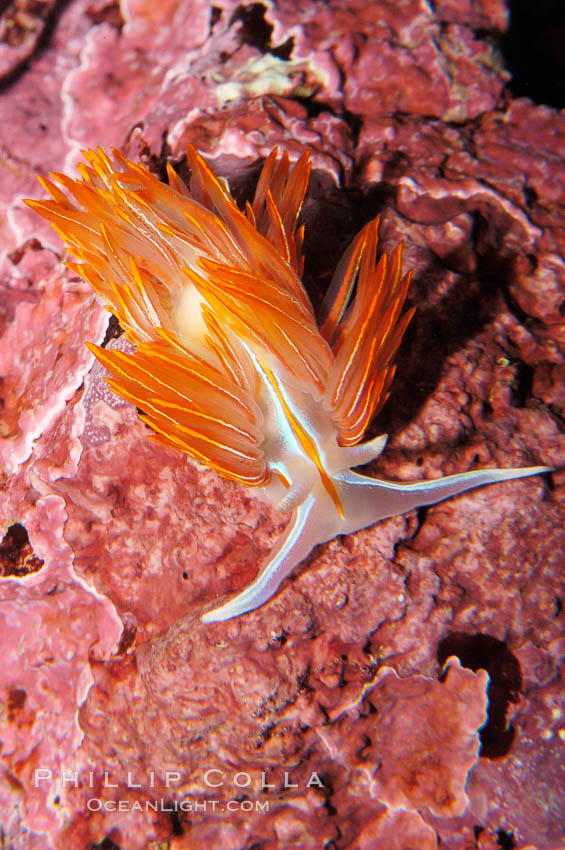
230,364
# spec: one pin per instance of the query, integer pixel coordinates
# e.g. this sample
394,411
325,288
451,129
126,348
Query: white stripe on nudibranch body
230,365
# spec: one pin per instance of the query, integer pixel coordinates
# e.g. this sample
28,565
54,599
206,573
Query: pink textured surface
22,24
106,667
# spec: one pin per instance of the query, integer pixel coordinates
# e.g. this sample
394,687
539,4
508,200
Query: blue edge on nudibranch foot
366,501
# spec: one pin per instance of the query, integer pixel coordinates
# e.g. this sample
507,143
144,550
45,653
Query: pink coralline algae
22,24
350,711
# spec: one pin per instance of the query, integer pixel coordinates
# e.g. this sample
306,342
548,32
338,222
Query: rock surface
337,715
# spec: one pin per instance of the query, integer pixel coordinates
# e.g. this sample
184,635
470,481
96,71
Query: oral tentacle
365,502
295,544
368,500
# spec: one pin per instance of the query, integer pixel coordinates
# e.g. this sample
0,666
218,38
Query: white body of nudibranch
328,498
231,365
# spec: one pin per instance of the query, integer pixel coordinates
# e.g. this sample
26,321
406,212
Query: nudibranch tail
230,365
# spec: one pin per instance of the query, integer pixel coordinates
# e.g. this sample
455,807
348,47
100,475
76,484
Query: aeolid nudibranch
231,365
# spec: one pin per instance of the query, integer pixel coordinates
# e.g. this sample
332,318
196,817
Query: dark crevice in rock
113,331
484,652
533,50
49,25
505,839
17,557
105,844
256,31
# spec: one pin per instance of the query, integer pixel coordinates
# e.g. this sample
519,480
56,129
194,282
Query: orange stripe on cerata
305,440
